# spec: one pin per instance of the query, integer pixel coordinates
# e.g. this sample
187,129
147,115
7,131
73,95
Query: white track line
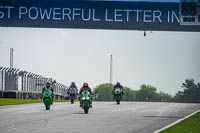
179,120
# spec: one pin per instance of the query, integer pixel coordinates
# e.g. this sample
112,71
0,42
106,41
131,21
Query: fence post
16,73
1,79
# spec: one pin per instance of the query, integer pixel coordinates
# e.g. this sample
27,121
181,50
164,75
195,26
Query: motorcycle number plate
117,89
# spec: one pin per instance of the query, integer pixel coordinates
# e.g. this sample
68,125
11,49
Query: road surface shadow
114,104
78,113
156,116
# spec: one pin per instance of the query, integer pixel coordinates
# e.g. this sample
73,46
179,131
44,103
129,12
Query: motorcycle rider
85,87
48,86
118,85
72,86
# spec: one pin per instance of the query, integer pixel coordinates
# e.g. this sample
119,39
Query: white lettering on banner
106,16
168,16
117,14
1,13
171,16
157,16
90,14
46,13
21,11
66,14
174,15
56,11
138,11
93,18
8,10
127,14
9,7
31,12
75,13
146,16
83,15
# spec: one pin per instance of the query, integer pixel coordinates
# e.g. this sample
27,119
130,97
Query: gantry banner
154,15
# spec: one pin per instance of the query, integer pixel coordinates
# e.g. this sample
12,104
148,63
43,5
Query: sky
161,59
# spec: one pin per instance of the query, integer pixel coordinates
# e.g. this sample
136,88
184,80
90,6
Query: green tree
178,97
164,97
147,93
129,94
191,92
103,92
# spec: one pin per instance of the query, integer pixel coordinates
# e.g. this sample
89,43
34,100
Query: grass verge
189,125
10,101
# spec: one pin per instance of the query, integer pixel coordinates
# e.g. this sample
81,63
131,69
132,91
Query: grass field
189,125
9,101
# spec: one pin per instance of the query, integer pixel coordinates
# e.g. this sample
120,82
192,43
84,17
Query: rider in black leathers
73,85
118,85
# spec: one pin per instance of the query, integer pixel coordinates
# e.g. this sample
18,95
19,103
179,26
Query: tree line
190,93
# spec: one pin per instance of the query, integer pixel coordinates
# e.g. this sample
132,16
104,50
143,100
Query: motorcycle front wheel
72,101
46,104
118,101
86,111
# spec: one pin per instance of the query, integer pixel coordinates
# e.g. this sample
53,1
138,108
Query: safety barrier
26,85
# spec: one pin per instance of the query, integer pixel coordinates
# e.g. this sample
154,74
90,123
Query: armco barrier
1,94
27,95
9,94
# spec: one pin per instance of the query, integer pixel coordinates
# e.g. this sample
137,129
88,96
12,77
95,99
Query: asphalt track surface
104,117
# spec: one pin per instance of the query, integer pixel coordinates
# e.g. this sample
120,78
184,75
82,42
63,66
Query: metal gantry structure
189,12
15,80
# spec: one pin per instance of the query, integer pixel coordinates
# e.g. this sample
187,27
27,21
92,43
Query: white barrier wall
15,80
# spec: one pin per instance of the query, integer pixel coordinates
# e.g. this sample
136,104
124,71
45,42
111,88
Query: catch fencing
15,83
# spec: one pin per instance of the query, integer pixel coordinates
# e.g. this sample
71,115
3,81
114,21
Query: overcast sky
161,59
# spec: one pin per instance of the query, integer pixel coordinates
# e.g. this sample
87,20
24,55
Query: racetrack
104,117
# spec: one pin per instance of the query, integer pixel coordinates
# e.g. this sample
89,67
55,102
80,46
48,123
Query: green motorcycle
47,98
85,101
117,95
